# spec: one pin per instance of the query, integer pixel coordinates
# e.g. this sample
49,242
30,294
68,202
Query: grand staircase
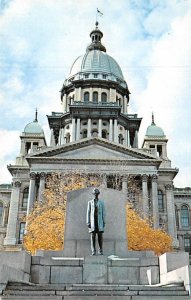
21,291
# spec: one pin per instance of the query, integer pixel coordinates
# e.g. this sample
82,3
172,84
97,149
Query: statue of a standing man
96,221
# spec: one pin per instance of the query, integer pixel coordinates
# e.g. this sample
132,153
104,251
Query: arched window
103,97
84,134
1,213
95,97
120,138
25,197
21,232
104,134
86,97
184,216
160,200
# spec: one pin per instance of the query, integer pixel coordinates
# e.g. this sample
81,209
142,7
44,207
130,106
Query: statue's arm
88,215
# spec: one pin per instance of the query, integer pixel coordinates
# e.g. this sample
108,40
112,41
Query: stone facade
94,133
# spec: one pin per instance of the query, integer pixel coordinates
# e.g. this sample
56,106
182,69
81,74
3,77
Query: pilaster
73,137
10,238
78,129
111,130
155,201
170,211
145,195
32,189
100,128
41,187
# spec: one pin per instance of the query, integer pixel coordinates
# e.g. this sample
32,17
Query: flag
99,12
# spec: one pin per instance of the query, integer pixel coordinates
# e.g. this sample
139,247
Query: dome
33,127
96,61
154,130
96,64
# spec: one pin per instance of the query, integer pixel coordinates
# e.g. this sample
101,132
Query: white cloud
149,39
9,149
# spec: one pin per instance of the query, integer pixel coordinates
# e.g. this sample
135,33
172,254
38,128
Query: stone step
95,297
95,292
92,287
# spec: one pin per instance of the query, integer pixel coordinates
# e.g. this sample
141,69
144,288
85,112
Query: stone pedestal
136,268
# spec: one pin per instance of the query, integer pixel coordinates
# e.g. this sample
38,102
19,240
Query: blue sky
150,39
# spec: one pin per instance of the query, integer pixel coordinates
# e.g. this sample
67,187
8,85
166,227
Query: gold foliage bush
141,235
45,224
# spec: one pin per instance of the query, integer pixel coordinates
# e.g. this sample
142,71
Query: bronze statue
96,221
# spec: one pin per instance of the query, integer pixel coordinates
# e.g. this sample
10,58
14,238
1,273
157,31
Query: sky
150,40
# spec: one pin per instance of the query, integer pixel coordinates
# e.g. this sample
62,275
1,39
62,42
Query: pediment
93,148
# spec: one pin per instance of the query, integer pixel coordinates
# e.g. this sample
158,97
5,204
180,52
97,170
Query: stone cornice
72,161
94,141
170,171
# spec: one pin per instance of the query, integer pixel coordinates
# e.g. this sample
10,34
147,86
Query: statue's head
96,192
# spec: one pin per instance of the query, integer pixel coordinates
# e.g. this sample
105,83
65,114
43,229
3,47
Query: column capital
32,175
17,184
144,177
154,177
168,187
42,175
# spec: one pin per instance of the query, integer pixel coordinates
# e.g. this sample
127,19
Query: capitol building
94,133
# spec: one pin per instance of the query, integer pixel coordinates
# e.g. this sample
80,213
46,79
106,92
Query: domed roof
154,130
33,127
96,64
96,61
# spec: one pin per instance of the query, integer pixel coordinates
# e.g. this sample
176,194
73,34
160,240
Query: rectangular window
104,76
21,232
187,244
86,76
95,75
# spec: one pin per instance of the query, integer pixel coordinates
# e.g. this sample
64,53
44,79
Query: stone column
79,94
100,128
155,202
125,104
52,138
63,140
124,184
32,189
115,131
64,103
128,138
60,137
179,218
5,215
135,143
91,94
89,128
10,238
145,195
73,137
111,130
78,129
99,94
171,211
125,137
41,187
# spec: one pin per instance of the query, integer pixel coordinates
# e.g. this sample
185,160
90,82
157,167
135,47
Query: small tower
31,138
155,140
